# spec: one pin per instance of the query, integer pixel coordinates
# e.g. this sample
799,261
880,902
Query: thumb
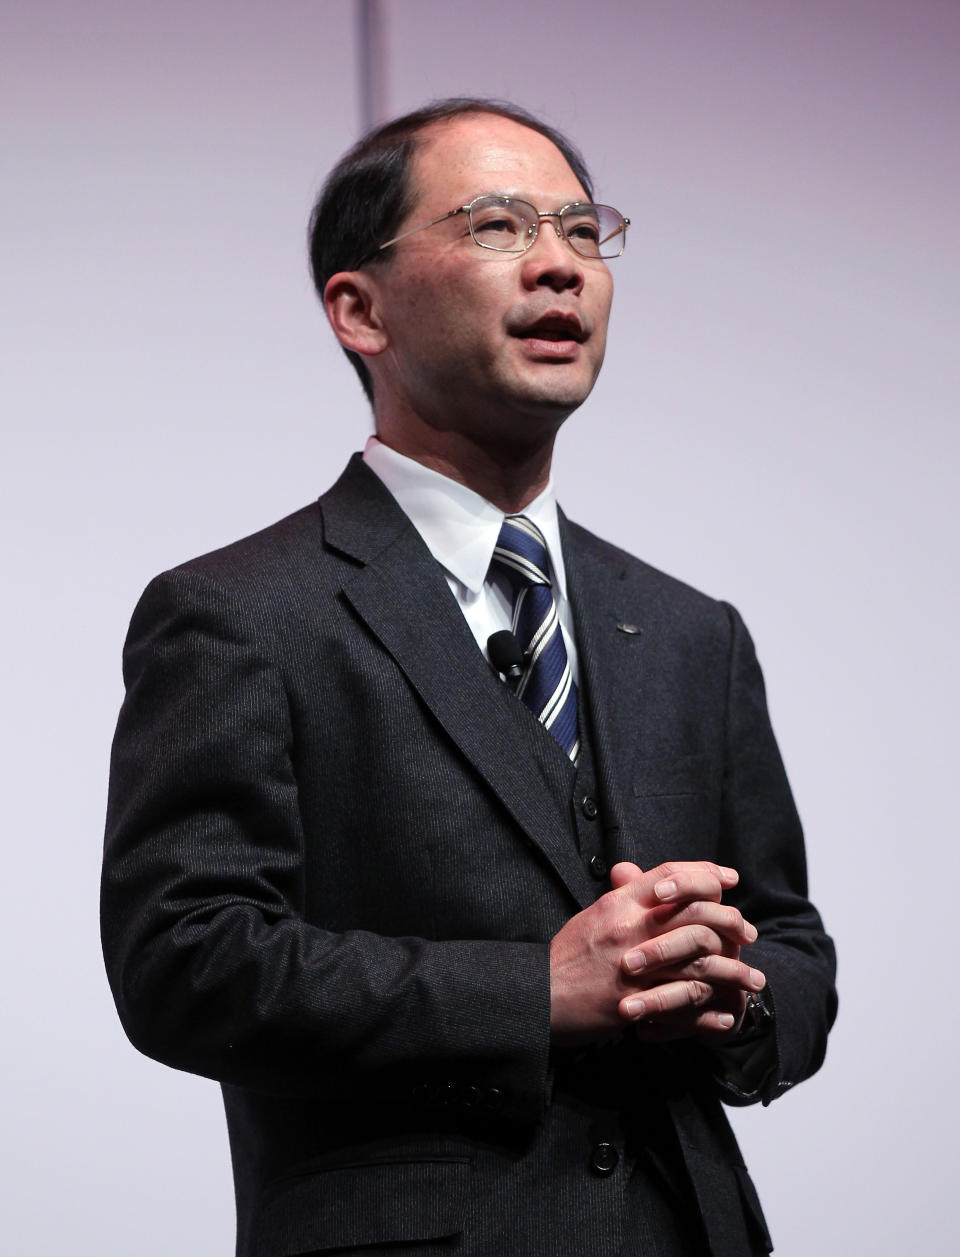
623,873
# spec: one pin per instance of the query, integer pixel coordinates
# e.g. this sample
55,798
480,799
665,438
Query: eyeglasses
505,224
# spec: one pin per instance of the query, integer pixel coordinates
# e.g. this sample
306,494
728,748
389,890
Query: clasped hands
659,951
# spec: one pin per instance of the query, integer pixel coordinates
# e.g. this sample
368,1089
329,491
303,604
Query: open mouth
559,328
554,337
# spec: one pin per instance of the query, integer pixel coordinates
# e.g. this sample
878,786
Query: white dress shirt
460,529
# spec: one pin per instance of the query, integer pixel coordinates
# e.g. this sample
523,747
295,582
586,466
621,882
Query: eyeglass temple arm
423,226
624,224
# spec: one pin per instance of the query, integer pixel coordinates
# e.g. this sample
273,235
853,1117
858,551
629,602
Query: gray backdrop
775,424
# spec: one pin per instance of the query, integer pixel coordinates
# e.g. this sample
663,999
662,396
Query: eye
581,224
502,222
585,229
491,225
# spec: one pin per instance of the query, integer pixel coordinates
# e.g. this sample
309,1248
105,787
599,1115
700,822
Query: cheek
601,319
413,310
442,311
604,299
434,312
478,287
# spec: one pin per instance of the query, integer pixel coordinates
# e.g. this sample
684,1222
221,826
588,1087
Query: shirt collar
459,527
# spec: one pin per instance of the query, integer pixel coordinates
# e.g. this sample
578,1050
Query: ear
350,300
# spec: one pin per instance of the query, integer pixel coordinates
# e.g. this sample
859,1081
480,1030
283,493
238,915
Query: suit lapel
610,649
400,592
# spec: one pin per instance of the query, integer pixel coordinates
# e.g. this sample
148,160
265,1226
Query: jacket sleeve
762,838
213,966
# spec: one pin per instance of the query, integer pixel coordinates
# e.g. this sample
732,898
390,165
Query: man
361,878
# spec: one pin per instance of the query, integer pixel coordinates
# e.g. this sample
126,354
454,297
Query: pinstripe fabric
333,868
547,685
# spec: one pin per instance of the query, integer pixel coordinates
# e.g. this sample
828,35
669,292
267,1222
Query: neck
509,477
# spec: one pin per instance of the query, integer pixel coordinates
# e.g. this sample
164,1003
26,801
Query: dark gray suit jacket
333,866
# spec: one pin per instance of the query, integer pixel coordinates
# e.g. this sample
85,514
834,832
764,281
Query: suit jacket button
588,805
598,867
448,1094
493,1099
423,1093
604,1159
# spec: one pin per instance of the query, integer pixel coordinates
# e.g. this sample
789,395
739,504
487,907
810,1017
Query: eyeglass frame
541,214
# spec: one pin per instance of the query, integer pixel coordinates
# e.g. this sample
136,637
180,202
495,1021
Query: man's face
487,344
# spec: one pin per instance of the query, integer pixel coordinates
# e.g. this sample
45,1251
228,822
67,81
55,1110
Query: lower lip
551,348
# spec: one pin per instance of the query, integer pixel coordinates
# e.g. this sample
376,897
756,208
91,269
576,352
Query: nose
551,263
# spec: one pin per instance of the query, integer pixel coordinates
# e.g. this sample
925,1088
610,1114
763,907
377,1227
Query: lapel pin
632,629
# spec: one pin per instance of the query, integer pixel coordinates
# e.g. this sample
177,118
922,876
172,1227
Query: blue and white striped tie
547,685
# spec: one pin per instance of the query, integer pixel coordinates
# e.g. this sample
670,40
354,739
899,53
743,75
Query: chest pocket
674,808
666,776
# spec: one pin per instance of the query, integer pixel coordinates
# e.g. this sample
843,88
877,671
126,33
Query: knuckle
654,1002
698,992
721,970
620,929
669,868
661,951
662,1002
704,938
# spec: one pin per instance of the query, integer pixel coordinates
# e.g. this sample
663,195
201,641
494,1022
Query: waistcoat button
604,1159
598,867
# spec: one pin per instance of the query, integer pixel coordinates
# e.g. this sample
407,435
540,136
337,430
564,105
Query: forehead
463,156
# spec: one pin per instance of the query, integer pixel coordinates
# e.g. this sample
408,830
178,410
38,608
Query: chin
556,394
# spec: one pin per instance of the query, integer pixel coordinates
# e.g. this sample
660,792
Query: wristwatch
757,1020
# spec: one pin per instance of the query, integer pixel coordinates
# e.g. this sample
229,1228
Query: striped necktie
547,685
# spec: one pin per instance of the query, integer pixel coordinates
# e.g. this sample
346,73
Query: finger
715,980
720,972
678,883
727,877
691,953
709,1025
668,997
710,978
723,918
716,1019
675,947
717,1027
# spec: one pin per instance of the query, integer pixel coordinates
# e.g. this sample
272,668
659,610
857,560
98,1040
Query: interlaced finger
704,979
676,882
668,997
674,948
701,1023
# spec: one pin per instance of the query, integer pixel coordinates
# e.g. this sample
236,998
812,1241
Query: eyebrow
528,197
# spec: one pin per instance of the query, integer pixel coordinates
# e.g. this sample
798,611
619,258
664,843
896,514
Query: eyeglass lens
510,226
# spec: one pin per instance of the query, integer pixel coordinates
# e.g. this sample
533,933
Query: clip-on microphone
506,656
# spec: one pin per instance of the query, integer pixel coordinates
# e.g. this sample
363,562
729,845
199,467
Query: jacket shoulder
657,589
351,523
294,541
249,588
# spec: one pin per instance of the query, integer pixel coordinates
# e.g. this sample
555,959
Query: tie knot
522,552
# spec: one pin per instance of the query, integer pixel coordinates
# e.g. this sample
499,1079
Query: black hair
369,193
